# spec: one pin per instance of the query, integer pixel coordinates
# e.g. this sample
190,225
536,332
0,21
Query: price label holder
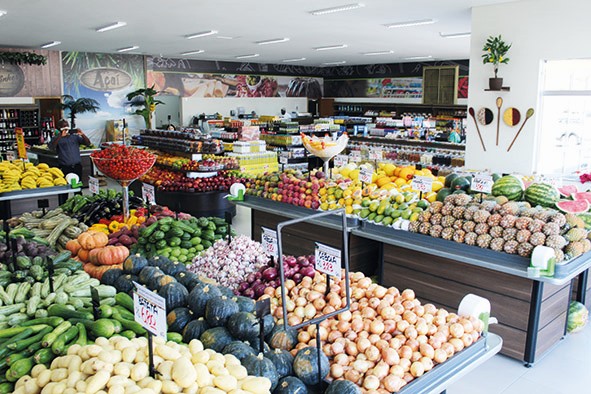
283,158
482,183
43,204
150,311
422,184
228,216
93,185
96,303
148,194
341,160
269,242
261,309
328,260
11,155
375,154
355,156
365,175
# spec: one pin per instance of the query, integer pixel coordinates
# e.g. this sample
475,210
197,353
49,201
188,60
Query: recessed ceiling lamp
331,47
201,34
224,37
300,59
455,35
2,13
411,23
50,44
127,49
341,8
192,52
378,53
418,57
272,41
247,56
334,63
112,26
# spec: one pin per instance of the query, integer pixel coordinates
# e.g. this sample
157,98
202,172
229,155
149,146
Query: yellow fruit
348,209
436,186
354,175
431,197
324,206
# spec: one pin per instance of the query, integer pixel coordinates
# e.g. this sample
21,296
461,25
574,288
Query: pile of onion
294,268
385,340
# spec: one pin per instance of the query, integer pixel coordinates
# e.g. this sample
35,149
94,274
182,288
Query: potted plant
144,98
495,51
78,106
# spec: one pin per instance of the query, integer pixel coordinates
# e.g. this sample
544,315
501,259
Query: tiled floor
564,369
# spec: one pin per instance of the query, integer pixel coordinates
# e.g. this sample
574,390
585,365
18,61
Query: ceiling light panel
418,57
2,13
347,7
300,59
192,52
378,53
410,23
201,34
272,41
330,47
247,56
50,44
112,26
334,63
127,49
455,35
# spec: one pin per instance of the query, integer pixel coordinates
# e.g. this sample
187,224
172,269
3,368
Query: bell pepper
114,226
141,220
132,220
104,221
118,218
99,226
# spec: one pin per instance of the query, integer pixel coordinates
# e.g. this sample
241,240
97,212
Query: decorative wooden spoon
473,114
529,114
499,105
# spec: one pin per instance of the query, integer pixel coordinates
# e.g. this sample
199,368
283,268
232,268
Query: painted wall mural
31,80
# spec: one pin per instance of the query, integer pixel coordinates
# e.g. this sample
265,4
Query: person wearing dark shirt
66,144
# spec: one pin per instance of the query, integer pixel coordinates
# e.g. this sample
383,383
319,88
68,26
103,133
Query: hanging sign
328,260
148,194
93,185
269,242
20,143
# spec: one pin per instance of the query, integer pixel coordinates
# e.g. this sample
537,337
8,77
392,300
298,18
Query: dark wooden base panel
445,282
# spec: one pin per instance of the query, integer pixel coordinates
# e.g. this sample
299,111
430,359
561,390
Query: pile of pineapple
19,175
507,226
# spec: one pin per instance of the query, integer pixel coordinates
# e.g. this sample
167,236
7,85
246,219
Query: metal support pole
582,286
533,323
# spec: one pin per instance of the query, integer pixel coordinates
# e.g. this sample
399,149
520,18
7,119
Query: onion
353,375
390,356
456,330
299,311
258,275
397,370
373,353
457,343
291,261
408,294
341,359
269,274
249,293
297,277
405,352
259,290
302,261
376,327
270,291
308,271
440,356
393,383
371,382
413,344
467,339
319,304
351,349
405,364
363,344
250,278
381,370
361,366
336,371
294,320
427,363
309,311
243,286
301,301
448,348
427,350
417,368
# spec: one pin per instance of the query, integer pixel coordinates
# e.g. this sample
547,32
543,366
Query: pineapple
586,245
488,206
558,218
522,236
463,199
481,228
496,232
470,211
447,221
458,212
537,239
509,234
508,221
447,209
574,221
511,247
494,219
559,255
575,234
469,226
436,218
574,249
536,226
424,228
435,231
510,208
451,199
425,216
481,216
413,227
528,212
458,224
556,241
483,240
543,215
435,207
497,244
551,228
459,236
447,233
523,223
525,249
470,238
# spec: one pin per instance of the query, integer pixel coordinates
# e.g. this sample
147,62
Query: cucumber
124,312
25,343
127,334
174,336
82,338
105,311
19,369
66,313
17,318
59,346
62,257
6,388
125,300
33,304
51,337
14,357
52,321
110,301
11,332
43,356
129,324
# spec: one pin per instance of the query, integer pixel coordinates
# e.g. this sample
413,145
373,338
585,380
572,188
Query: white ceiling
158,27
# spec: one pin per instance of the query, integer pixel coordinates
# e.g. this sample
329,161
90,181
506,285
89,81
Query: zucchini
105,311
32,305
22,292
17,319
49,299
31,350
129,324
6,388
41,313
14,357
127,334
43,356
25,343
104,291
62,257
52,321
8,310
124,312
110,301
25,333
19,369
76,303
59,346
51,337
100,328
61,298
125,300
82,337
11,290
174,336
66,313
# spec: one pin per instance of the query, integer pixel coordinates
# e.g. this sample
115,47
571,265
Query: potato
155,385
170,387
167,352
122,369
44,378
231,360
37,369
165,370
81,386
132,389
70,390
183,373
238,371
116,390
257,385
73,378
74,364
31,387
97,382
192,389
118,380
139,371
94,350
203,376
59,387
128,354
195,346
74,349
201,357
226,382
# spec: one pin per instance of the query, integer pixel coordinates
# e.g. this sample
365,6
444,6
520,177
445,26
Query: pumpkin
218,310
93,239
280,338
268,324
261,366
110,276
194,329
216,338
291,385
93,256
305,365
158,261
342,387
283,361
124,283
239,349
73,246
244,326
178,318
173,268
199,296
188,279
97,271
245,304
226,292
83,255
148,273
110,255
255,343
134,264
160,281
174,294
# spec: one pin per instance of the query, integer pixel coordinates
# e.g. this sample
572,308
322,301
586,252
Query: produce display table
50,158
6,199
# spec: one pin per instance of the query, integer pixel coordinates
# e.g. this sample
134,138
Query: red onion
243,286
250,277
249,293
297,277
312,259
270,274
303,261
308,271
291,261
259,290
258,275
256,283
274,284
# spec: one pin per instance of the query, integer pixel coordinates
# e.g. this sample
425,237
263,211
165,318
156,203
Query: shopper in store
66,143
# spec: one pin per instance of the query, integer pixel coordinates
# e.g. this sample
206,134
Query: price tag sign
10,155
283,158
328,260
422,183
355,156
482,183
365,175
148,193
149,310
93,185
341,160
269,242
375,154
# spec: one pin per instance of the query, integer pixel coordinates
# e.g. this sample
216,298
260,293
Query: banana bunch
17,175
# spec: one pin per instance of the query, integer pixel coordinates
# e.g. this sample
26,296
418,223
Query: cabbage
577,317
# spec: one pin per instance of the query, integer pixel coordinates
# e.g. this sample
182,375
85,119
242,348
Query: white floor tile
492,377
523,385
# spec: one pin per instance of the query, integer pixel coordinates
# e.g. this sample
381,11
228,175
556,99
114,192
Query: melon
568,190
508,186
542,194
580,196
576,206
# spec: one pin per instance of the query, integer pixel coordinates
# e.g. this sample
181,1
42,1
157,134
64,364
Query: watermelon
460,183
570,206
582,196
568,190
542,194
578,316
508,186
442,193
449,179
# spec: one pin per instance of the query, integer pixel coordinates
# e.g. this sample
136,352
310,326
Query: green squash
178,318
216,338
124,283
239,349
199,296
134,264
291,385
280,338
305,365
226,292
148,273
261,366
187,279
255,343
158,261
111,276
244,303
194,329
244,326
268,324
173,268
218,310
342,387
159,282
283,361
175,295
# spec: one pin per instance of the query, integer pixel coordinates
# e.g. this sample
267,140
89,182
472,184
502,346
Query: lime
406,214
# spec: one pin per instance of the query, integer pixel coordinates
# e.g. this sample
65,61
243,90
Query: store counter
7,199
50,158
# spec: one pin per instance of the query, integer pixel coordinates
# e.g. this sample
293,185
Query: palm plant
144,98
78,106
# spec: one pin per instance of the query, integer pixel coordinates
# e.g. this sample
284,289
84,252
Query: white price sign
269,242
150,310
283,158
482,183
341,160
375,154
328,260
93,185
422,184
148,193
10,155
365,175
355,156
